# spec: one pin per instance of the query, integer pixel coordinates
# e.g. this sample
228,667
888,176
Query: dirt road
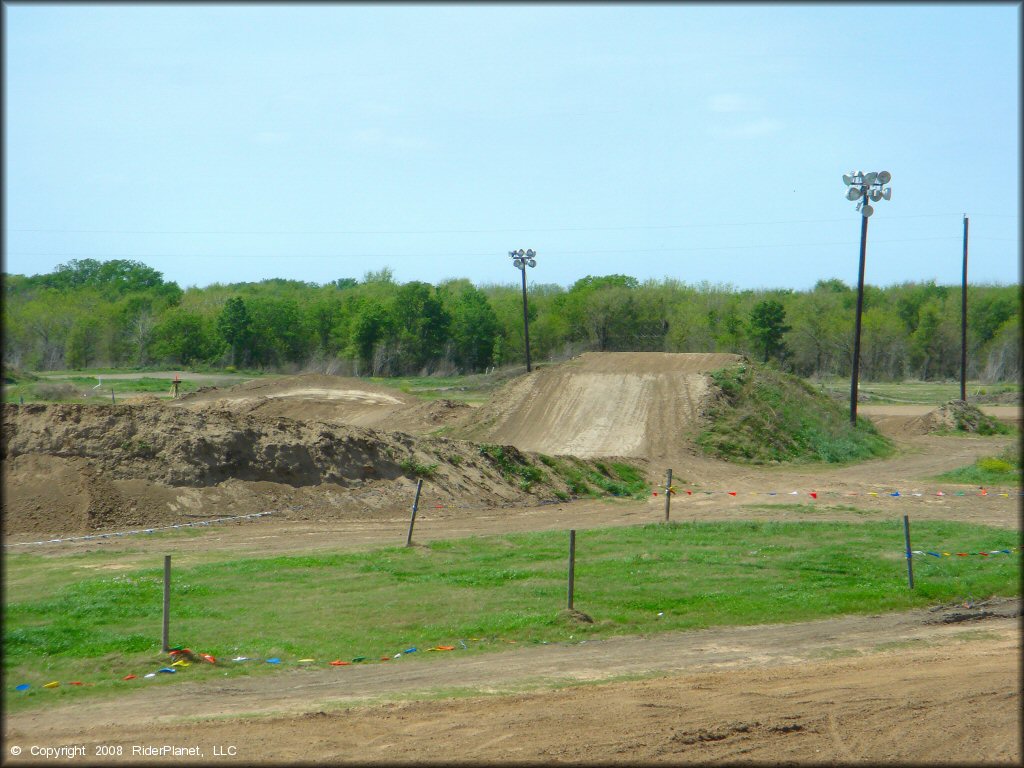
910,687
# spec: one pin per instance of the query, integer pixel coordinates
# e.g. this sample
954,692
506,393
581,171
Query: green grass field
82,388
917,392
67,622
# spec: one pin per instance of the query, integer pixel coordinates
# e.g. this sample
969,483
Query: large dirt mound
70,467
956,416
641,404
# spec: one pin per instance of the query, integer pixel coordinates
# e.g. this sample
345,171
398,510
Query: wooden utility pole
963,320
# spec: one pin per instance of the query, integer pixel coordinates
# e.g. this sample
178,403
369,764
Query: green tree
767,326
420,325
183,337
279,333
474,325
83,343
371,325
235,327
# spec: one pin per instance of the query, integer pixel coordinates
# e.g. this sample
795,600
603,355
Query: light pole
863,186
522,259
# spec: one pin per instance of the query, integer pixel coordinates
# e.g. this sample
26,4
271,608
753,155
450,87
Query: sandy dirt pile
334,399
312,396
74,467
642,404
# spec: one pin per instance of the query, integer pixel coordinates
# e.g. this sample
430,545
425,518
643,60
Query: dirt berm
74,467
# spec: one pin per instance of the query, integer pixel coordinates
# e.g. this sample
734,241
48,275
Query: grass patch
596,478
808,508
473,389
412,467
763,416
63,624
513,465
1001,470
79,388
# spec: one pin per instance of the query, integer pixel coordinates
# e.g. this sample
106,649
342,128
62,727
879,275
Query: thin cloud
270,137
731,102
765,126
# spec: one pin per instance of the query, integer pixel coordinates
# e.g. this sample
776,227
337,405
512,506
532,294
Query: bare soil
935,686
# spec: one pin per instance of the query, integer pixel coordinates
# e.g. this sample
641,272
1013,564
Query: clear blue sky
222,143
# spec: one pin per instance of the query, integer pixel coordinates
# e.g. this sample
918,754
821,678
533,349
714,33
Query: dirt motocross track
325,455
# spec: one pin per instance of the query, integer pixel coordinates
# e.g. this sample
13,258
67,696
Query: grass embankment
1003,470
484,591
762,416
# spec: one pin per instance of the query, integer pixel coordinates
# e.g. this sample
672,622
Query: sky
231,143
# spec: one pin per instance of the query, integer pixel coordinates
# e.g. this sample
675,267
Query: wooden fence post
167,604
910,565
415,504
572,564
668,493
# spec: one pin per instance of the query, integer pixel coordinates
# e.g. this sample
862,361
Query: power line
555,252
629,227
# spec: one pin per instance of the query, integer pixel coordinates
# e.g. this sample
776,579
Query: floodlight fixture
854,193
884,177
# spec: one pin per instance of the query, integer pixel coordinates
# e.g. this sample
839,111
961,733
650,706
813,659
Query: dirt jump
637,404
333,459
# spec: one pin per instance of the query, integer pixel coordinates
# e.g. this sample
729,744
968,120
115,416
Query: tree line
122,313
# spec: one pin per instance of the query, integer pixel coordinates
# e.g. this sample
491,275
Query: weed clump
959,416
